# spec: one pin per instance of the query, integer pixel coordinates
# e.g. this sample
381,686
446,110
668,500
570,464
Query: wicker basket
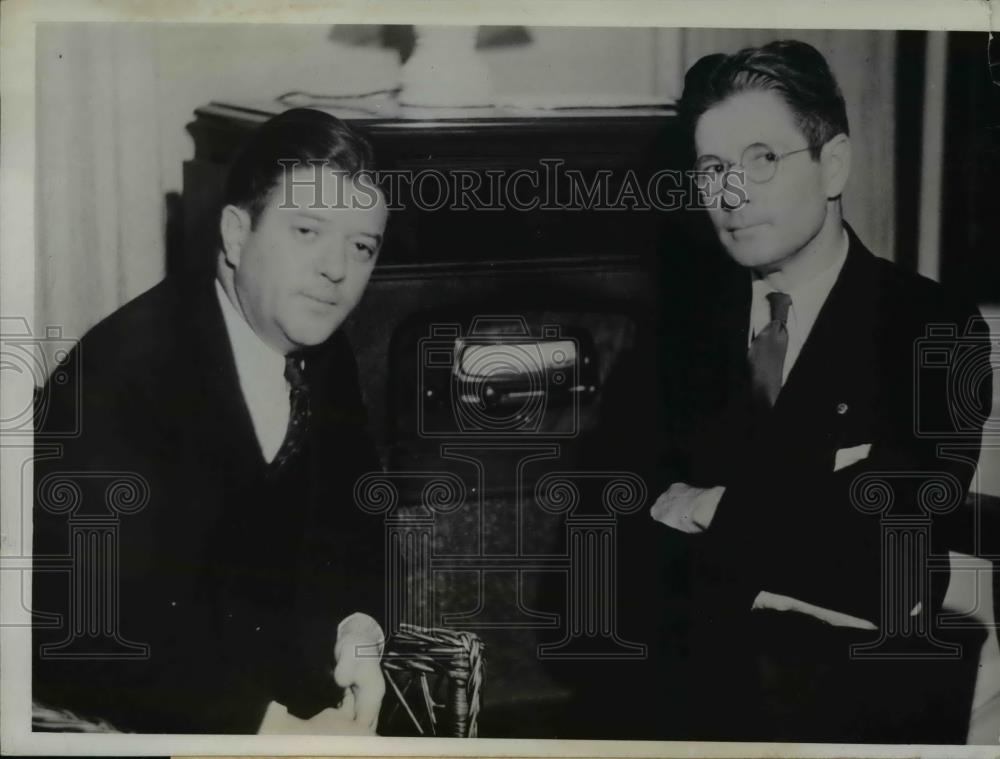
435,679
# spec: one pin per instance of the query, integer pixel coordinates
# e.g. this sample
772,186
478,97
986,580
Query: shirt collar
259,366
807,298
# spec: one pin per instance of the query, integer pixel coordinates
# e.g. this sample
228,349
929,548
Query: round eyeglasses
759,164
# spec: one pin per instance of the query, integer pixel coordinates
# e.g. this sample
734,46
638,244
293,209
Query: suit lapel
830,352
208,443
739,303
224,407
795,431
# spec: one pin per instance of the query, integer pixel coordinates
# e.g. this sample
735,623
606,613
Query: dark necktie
298,419
767,351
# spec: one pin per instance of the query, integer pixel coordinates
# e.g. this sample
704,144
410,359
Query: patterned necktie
298,419
767,351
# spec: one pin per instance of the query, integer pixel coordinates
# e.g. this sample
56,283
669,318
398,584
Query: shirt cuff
690,515
777,602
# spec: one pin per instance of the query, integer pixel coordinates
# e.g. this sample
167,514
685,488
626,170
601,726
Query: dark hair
299,135
794,70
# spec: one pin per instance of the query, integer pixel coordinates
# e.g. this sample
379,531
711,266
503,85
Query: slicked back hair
300,136
796,71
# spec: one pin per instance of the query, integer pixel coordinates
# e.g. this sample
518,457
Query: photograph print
621,383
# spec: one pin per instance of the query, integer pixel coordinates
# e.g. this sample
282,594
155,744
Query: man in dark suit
806,437
218,566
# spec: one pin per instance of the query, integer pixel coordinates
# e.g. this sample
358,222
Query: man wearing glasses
793,387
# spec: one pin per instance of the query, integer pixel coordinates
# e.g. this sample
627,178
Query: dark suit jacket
236,580
788,523
866,374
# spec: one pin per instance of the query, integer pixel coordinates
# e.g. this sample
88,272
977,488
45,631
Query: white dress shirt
689,509
807,300
261,371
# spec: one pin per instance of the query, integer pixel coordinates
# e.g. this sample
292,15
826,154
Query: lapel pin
841,408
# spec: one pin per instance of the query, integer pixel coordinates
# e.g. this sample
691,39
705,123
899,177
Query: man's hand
358,671
687,508
358,654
